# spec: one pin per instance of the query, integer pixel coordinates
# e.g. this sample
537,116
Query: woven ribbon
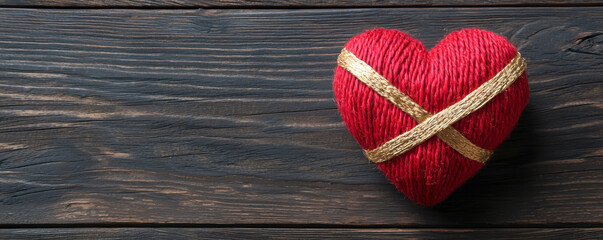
430,125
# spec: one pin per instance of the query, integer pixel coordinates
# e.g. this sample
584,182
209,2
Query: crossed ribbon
430,125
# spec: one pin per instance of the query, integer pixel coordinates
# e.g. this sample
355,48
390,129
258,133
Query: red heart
434,79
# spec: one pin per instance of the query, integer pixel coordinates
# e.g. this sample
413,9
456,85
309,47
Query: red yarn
434,79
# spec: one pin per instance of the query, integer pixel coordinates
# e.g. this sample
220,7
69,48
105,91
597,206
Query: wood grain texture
228,117
288,3
296,233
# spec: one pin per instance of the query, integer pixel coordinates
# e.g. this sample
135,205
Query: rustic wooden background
184,119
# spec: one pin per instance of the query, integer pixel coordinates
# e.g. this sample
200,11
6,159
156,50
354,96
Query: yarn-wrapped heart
430,119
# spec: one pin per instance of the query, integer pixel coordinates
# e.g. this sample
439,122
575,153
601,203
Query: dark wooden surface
222,123
287,3
303,233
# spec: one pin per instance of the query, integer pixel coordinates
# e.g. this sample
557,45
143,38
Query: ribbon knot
430,125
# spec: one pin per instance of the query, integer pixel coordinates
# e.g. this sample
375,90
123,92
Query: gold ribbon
430,125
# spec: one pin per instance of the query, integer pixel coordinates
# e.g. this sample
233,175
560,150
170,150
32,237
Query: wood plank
227,117
297,233
288,3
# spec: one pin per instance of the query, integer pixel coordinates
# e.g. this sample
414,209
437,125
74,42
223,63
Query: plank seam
317,226
310,7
